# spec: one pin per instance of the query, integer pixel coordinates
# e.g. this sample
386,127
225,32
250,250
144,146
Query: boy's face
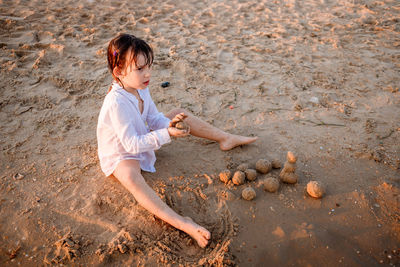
136,77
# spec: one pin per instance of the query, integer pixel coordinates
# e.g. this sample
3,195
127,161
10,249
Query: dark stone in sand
165,84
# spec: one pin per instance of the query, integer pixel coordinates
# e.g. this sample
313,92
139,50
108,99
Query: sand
319,78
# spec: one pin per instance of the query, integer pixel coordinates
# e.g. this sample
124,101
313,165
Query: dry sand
320,78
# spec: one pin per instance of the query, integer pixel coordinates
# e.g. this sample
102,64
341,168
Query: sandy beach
318,78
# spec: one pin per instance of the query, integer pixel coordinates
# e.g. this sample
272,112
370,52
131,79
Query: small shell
18,176
248,193
251,174
315,189
225,176
238,178
263,166
271,184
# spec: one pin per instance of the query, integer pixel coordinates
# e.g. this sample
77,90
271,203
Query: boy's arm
124,127
155,119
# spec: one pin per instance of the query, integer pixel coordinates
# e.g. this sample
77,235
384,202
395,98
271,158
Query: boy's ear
117,72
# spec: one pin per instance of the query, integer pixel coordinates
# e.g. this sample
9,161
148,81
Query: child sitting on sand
130,128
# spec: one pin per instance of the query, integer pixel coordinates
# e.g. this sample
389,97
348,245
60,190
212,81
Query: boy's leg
203,129
129,174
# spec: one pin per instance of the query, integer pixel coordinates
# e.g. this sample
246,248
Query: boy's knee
180,110
127,170
171,114
131,178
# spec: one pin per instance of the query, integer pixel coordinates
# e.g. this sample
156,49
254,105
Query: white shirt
124,133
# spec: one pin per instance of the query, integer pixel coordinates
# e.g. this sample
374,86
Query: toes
203,243
206,234
203,237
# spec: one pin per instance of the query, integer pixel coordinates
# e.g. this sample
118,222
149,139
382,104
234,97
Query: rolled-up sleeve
123,124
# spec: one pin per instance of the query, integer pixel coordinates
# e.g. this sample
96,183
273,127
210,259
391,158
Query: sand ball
242,167
315,189
291,158
248,193
276,164
225,176
289,167
271,184
181,125
263,166
238,178
290,178
251,174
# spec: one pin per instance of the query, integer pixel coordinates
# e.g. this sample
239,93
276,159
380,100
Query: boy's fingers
178,133
182,114
175,120
179,116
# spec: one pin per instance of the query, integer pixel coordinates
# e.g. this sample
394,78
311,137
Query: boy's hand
177,132
173,131
179,117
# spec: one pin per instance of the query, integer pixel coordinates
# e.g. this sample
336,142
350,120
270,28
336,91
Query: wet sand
319,78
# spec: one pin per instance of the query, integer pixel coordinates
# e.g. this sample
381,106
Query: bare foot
197,232
233,140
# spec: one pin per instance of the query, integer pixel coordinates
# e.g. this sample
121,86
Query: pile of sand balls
288,174
244,173
271,184
239,177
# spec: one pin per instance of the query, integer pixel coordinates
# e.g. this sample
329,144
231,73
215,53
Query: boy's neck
133,91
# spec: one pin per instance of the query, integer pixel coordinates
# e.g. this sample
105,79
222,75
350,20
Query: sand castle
271,184
288,174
